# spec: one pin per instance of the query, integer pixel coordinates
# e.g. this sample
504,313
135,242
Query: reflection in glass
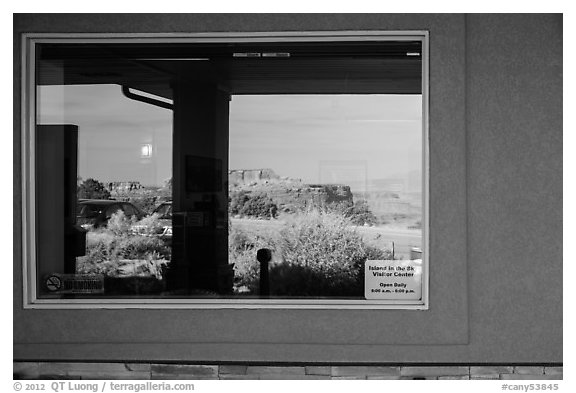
229,176
118,182
326,182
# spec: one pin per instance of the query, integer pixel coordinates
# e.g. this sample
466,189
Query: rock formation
288,194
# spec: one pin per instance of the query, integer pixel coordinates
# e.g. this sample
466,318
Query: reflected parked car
164,212
162,228
95,213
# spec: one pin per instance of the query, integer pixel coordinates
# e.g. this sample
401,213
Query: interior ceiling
385,68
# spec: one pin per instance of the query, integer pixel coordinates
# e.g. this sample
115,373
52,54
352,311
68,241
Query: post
200,189
264,256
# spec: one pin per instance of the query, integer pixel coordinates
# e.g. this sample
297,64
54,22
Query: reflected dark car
95,213
164,211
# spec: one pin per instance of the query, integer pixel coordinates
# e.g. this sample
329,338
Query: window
223,171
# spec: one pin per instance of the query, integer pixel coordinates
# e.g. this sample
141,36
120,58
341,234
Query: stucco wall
514,132
496,152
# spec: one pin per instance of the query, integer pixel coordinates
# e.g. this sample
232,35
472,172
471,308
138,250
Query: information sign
393,279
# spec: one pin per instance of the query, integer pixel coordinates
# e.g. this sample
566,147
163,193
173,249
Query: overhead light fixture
146,150
246,54
276,54
263,54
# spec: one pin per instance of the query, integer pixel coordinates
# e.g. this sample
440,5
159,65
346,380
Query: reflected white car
164,229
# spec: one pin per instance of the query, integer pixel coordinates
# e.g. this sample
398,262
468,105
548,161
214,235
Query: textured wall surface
496,215
514,133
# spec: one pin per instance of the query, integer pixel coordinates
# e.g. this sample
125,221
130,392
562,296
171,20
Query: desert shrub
109,251
119,224
375,253
149,225
341,208
126,268
238,239
358,211
236,201
322,256
260,205
101,246
242,248
92,189
142,247
101,252
144,203
252,204
317,254
85,265
246,270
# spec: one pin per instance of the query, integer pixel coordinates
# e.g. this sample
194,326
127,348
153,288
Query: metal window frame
28,116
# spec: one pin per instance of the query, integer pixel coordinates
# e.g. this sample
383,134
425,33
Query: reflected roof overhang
304,68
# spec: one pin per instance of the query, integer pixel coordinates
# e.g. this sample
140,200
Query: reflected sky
321,137
316,138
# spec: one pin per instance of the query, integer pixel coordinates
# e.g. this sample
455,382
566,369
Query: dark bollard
264,256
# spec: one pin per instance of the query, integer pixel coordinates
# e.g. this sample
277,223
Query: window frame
28,116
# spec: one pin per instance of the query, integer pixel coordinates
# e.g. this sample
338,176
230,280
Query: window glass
326,182
248,171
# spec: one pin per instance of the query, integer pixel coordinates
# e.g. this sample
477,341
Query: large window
226,171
